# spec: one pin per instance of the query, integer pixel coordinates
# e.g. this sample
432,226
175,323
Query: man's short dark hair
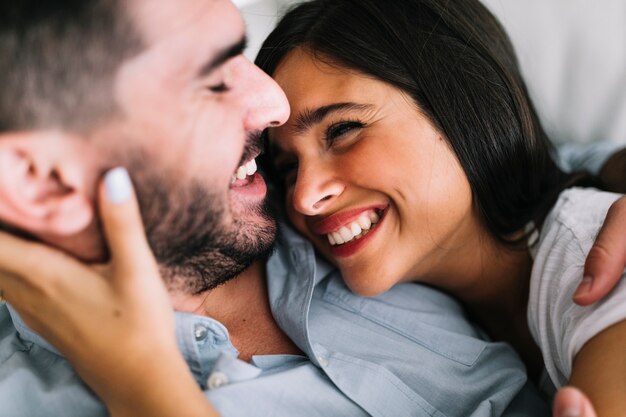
58,61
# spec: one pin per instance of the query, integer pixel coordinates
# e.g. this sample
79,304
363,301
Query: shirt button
323,361
216,380
200,332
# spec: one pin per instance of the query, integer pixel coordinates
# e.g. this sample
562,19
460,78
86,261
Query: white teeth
356,229
346,234
338,239
241,173
249,168
364,222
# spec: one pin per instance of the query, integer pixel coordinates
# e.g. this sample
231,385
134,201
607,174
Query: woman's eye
338,130
219,88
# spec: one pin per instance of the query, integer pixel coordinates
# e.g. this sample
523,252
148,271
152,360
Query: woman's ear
41,190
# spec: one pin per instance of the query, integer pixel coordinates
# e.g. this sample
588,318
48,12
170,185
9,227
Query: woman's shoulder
578,214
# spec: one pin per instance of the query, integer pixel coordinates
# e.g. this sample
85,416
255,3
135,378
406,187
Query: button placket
200,332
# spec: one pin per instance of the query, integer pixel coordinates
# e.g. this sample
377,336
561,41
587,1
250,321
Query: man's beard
188,230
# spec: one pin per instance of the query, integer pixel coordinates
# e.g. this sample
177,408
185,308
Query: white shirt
560,327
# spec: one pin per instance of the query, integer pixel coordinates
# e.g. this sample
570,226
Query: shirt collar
293,271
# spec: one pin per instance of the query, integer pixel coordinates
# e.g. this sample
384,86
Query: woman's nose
315,190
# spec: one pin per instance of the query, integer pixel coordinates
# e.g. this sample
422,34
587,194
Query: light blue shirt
409,352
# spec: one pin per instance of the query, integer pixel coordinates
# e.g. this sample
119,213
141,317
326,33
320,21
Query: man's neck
242,305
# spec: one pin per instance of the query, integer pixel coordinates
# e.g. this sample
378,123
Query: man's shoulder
410,314
417,344
37,382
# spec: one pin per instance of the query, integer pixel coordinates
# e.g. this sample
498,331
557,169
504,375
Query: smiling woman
419,156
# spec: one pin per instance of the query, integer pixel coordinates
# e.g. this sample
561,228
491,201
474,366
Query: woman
418,156
144,285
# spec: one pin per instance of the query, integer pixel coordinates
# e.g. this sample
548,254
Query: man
161,87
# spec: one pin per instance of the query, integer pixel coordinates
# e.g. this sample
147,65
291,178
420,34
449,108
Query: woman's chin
364,287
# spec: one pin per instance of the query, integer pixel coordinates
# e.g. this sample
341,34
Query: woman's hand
606,260
107,321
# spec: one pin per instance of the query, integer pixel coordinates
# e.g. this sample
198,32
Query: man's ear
42,190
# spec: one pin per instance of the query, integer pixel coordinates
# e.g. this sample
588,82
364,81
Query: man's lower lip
254,188
352,247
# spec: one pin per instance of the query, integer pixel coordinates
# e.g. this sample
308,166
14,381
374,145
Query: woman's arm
117,314
599,370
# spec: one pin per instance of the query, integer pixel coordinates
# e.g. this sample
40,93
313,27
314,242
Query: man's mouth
354,230
244,173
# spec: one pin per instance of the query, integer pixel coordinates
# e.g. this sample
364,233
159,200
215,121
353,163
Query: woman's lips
357,243
345,218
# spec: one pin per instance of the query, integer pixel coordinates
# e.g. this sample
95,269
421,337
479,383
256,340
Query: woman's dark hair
457,63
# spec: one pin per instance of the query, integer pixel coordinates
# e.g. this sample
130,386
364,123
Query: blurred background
572,53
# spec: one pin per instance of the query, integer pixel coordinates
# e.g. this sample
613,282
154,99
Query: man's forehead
181,37
159,19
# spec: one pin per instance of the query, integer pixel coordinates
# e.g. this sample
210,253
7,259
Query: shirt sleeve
560,327
585,157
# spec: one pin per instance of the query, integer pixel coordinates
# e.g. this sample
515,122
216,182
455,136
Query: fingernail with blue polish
118,186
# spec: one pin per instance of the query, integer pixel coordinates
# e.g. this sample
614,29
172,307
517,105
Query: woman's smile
350,230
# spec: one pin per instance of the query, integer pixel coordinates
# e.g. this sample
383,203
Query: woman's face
369,180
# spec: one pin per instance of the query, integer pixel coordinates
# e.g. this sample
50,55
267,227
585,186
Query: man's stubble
197,239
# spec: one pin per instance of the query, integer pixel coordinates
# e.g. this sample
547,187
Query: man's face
193,107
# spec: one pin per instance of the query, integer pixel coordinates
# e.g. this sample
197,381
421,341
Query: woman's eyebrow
310,117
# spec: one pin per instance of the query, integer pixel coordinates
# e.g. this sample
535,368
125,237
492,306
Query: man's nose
268,105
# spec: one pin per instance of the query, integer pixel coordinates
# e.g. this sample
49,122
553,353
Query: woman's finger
123,227
33,269
606,260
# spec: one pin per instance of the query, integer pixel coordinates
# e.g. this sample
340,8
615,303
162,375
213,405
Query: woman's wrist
150,391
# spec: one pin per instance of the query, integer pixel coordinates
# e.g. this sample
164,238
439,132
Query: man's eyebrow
310,117
222,56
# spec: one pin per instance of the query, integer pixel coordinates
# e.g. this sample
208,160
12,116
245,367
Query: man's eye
219,88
